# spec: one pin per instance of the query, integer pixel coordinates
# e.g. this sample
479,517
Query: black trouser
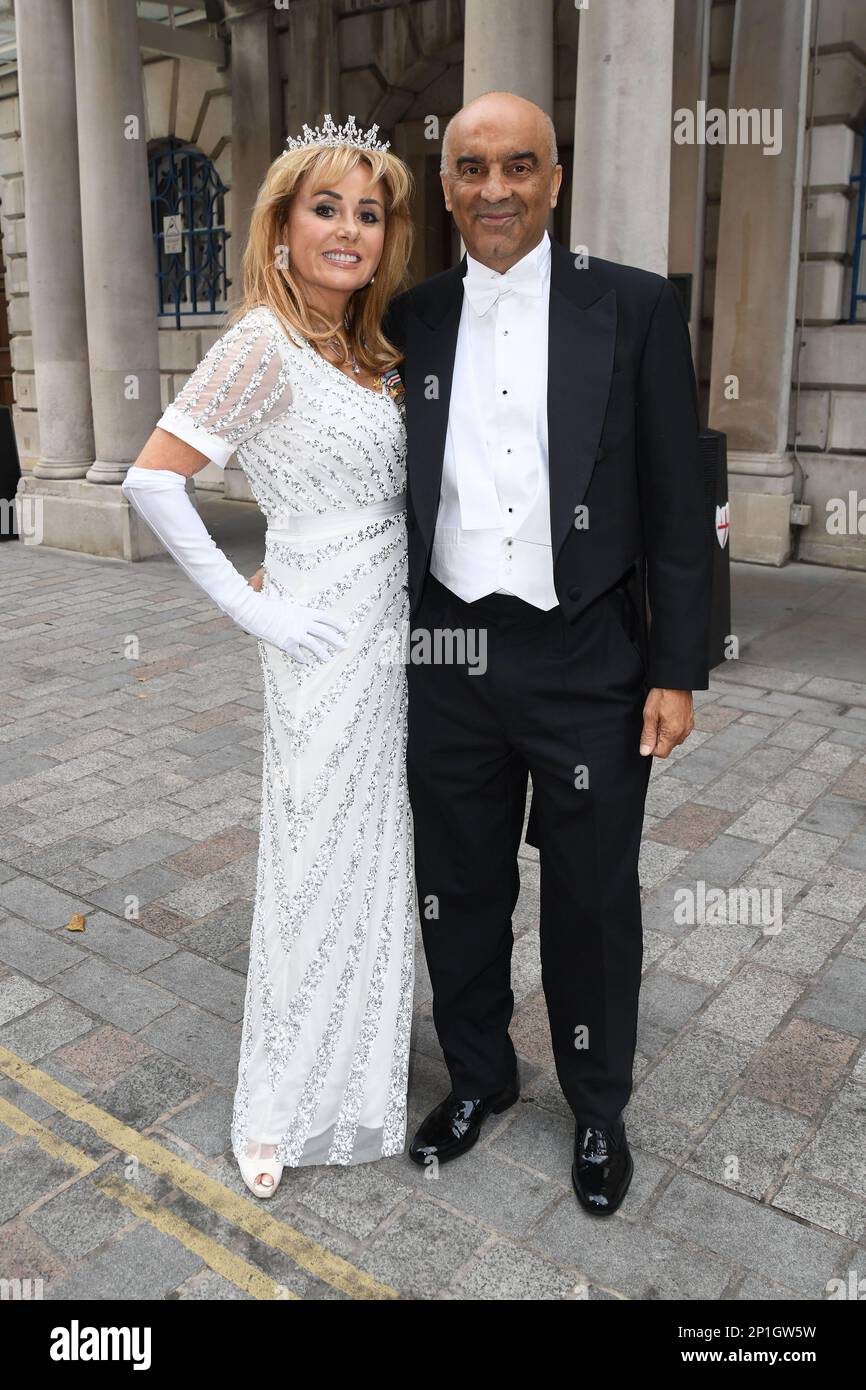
563,703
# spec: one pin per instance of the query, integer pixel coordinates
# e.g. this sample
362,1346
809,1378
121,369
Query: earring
371,280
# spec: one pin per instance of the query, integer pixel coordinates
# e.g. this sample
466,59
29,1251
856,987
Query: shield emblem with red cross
723,524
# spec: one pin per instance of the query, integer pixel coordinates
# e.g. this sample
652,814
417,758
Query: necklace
334,344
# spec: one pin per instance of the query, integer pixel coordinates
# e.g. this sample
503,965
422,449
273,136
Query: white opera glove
159,495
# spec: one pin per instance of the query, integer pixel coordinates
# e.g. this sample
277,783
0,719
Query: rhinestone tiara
330,134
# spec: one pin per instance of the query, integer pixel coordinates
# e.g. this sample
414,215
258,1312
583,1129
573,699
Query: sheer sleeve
240,384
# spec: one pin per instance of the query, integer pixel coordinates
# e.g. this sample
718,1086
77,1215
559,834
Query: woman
301,387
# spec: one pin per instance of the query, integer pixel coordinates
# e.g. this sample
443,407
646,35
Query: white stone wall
187,99
13,231
827,423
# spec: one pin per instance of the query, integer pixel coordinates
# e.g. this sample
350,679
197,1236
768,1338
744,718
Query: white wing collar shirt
493,523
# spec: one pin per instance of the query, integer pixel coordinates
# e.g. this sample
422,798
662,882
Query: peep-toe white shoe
254,1164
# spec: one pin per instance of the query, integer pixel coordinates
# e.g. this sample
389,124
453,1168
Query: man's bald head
500,175
498,104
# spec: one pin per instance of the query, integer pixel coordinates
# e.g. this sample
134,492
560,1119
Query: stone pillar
622,132
46,67
508,47
688,161
119,261
257,116
754,314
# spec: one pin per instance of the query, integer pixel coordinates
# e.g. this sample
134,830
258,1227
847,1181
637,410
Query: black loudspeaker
713,455
10,476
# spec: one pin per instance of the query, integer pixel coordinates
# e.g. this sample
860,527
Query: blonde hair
265,282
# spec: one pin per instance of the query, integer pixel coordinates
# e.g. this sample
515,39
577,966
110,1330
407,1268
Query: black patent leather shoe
602,1167
454,1125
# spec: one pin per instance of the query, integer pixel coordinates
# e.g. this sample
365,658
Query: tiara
330,134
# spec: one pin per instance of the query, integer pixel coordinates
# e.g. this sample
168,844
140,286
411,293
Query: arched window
187,202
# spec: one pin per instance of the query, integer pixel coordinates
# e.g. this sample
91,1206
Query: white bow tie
483,294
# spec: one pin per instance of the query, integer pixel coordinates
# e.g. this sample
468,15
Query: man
553,486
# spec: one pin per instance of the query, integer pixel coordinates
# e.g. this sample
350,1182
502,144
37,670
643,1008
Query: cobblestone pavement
134,772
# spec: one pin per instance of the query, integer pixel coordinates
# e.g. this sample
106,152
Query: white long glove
159,495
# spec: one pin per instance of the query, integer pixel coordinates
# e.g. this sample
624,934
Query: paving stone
143,886
38,902
734,791
215,935
803,944
206,1123
837,892
751,1004
765,821
795,734
748,1146
36,952
148,1091
669,1002
18,996
506,1270
852,853
690,1081
834,815
79,1219
822,1206
356,1199
26,1174
837,1153
208,1046
530,1031
665,794
537,1138
122,860
719,864
421,1250
748,1234
631,1257
124,943
657,862
690,826
27,1257
832,758
113,995
801,853
202,982
754,1289
104,1055
144,1264
838,997
43,1029
710,953
852,783
797,787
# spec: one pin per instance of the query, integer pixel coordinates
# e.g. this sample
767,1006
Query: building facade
716,141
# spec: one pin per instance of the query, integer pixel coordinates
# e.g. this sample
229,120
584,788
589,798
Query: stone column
688,161
754,314
622,131
257,116
509,47
119,261
46,71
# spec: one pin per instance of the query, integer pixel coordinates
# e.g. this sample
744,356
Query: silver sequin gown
325,1044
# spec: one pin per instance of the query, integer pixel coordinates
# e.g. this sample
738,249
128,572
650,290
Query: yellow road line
239,1272
245,1276
318,1261
24,1124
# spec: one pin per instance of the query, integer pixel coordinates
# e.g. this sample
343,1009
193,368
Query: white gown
324,1053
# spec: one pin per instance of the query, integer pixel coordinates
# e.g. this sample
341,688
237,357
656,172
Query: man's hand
668,719
255,580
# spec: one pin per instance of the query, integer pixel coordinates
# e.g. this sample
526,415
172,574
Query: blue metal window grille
190,251
858,267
